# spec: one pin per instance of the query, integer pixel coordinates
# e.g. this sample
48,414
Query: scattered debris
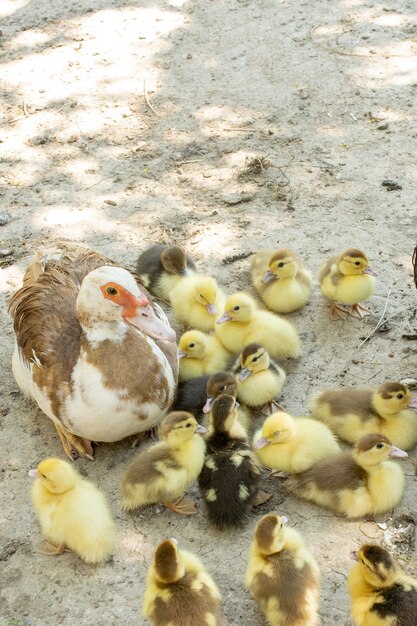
236,257
5,218
254,166
382,126
399,535
237,198
411,383
391,185
5,252
409,337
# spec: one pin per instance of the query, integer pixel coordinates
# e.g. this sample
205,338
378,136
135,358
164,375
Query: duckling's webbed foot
338,312
49,549
183,506
260,498
357,310
73,445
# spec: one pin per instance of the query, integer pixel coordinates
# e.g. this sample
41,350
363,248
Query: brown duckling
179,591
355,483
381,593
161,268
231,473
282,574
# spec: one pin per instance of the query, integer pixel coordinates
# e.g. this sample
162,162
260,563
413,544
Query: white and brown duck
93,350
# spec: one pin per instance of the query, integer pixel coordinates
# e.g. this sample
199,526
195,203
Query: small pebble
5,252
391,185
5,218
382,126
111,202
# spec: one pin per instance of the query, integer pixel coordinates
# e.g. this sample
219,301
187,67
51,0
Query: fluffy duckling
200,354
347,279
196,395
242,323
179,591
197,301
161,268
231,473
163,472
352,413
381,593
72,512
282,574
357,483
260,380
281,280
291,444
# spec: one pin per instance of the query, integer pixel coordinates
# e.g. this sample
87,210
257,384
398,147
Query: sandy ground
331,109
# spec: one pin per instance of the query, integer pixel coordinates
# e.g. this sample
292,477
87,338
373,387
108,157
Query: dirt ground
127,123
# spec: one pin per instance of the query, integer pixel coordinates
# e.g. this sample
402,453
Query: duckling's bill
269,276
398,453
33,473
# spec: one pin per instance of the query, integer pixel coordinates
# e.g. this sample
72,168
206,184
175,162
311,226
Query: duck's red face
138,311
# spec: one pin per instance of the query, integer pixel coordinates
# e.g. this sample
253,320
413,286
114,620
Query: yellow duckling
347,279
282,574
381,593
200,354
357,483
281,280
242,323
231,473
179,591
197,301
72,512
293,444
163,472
260,379
352,413
161,268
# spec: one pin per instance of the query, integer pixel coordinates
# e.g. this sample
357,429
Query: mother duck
92,349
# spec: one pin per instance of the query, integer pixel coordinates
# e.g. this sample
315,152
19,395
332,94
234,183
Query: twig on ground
192,161
243,129
371,377
145,95
236,257
380,321
25,110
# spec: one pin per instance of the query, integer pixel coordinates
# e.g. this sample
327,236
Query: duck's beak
261,443
244,373
223,318
145,319
211,308
201,430
207,406
412,404
397,453
370,271
181,354
284,519
183,272
269,276
33,473
353,555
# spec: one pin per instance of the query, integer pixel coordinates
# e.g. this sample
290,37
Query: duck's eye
43,475
281,264
379,446
255,359
188,425
191,345
357,262
201,296
112,291
223,388
236,308
400,396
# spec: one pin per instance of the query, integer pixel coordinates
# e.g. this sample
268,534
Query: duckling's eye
223,388
281,264
188,425
236,308
255,359
379,446
112,291
400,396
357,262
43,475
201,296
191,345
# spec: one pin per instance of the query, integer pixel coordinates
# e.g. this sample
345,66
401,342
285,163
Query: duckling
347,279
197,394
381,593
179,591
260,379
293,444
282,574
163,472
242,323
200,354
351,413
161,268
196,301
72,512
224,383
357,483
281,280
231,473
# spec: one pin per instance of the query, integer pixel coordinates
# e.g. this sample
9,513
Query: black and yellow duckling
347,279
179,590
352,413
282,574
231,473
197,394
259,379
163,472
354,483
161,268
281,280
381,593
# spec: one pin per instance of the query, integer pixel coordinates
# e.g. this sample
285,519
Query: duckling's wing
326,268
151,464
333,474
192,396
